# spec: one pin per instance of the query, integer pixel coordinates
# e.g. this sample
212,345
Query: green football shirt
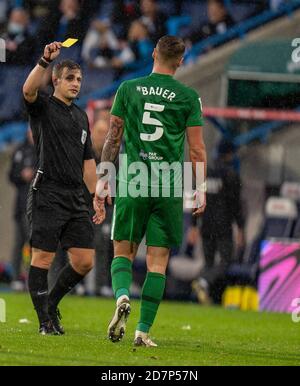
156,110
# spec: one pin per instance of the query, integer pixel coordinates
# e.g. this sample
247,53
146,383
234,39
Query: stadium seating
281,220
296,231
93,78
11,79
72,53
105,9
291,190
241,10
167,7
280,217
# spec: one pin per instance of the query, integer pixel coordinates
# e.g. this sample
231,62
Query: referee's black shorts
58,215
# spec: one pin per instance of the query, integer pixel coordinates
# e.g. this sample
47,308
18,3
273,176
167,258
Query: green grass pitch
187,334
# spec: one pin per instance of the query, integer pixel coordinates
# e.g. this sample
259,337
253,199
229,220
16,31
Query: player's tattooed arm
113,140
110,152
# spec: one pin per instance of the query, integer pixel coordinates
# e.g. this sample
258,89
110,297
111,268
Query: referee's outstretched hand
52,50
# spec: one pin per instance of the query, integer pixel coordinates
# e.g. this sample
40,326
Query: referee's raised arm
34,80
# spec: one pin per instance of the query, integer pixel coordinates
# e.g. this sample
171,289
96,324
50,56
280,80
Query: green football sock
121,274
152,295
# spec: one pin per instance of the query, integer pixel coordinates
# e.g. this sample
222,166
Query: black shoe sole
58,329
139,342
53,332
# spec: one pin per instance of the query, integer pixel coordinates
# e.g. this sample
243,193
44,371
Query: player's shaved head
170,50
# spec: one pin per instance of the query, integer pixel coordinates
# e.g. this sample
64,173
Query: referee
57,208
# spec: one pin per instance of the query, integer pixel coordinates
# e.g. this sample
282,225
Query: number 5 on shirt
147,120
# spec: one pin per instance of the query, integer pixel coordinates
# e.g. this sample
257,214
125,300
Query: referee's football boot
55,317
47,328
117,326
142,340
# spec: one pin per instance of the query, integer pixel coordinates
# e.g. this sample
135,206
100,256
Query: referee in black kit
58,210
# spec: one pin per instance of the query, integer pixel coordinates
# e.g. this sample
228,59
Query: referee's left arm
89,165
89,175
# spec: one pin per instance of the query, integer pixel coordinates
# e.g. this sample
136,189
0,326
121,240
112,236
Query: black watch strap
43,63
47,60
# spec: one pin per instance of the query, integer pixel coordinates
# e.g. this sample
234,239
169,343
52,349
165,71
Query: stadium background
220,66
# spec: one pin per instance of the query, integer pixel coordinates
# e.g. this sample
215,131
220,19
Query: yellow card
69,42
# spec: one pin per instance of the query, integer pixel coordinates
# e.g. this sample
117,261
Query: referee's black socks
38,288
66,281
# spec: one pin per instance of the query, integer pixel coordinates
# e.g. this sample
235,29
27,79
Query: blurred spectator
123,14
104,246
101,112
100,44
153,19
37,8
4,7
178,7
140,42
219,20
104,113
20,174
275,4
20,46
262,5
104,255
130,53
98,135
223,210
67,19
185,263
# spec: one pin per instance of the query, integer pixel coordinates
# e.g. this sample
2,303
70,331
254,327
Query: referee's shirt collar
61,103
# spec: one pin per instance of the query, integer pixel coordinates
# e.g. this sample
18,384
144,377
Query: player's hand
103,191
199,204
52,51
102,194
100,211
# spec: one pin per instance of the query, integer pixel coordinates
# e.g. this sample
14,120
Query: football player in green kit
154,114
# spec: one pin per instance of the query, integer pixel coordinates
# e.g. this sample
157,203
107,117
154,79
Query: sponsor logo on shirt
152,156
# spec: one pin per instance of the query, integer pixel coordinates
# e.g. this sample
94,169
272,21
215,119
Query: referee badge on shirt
83,136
